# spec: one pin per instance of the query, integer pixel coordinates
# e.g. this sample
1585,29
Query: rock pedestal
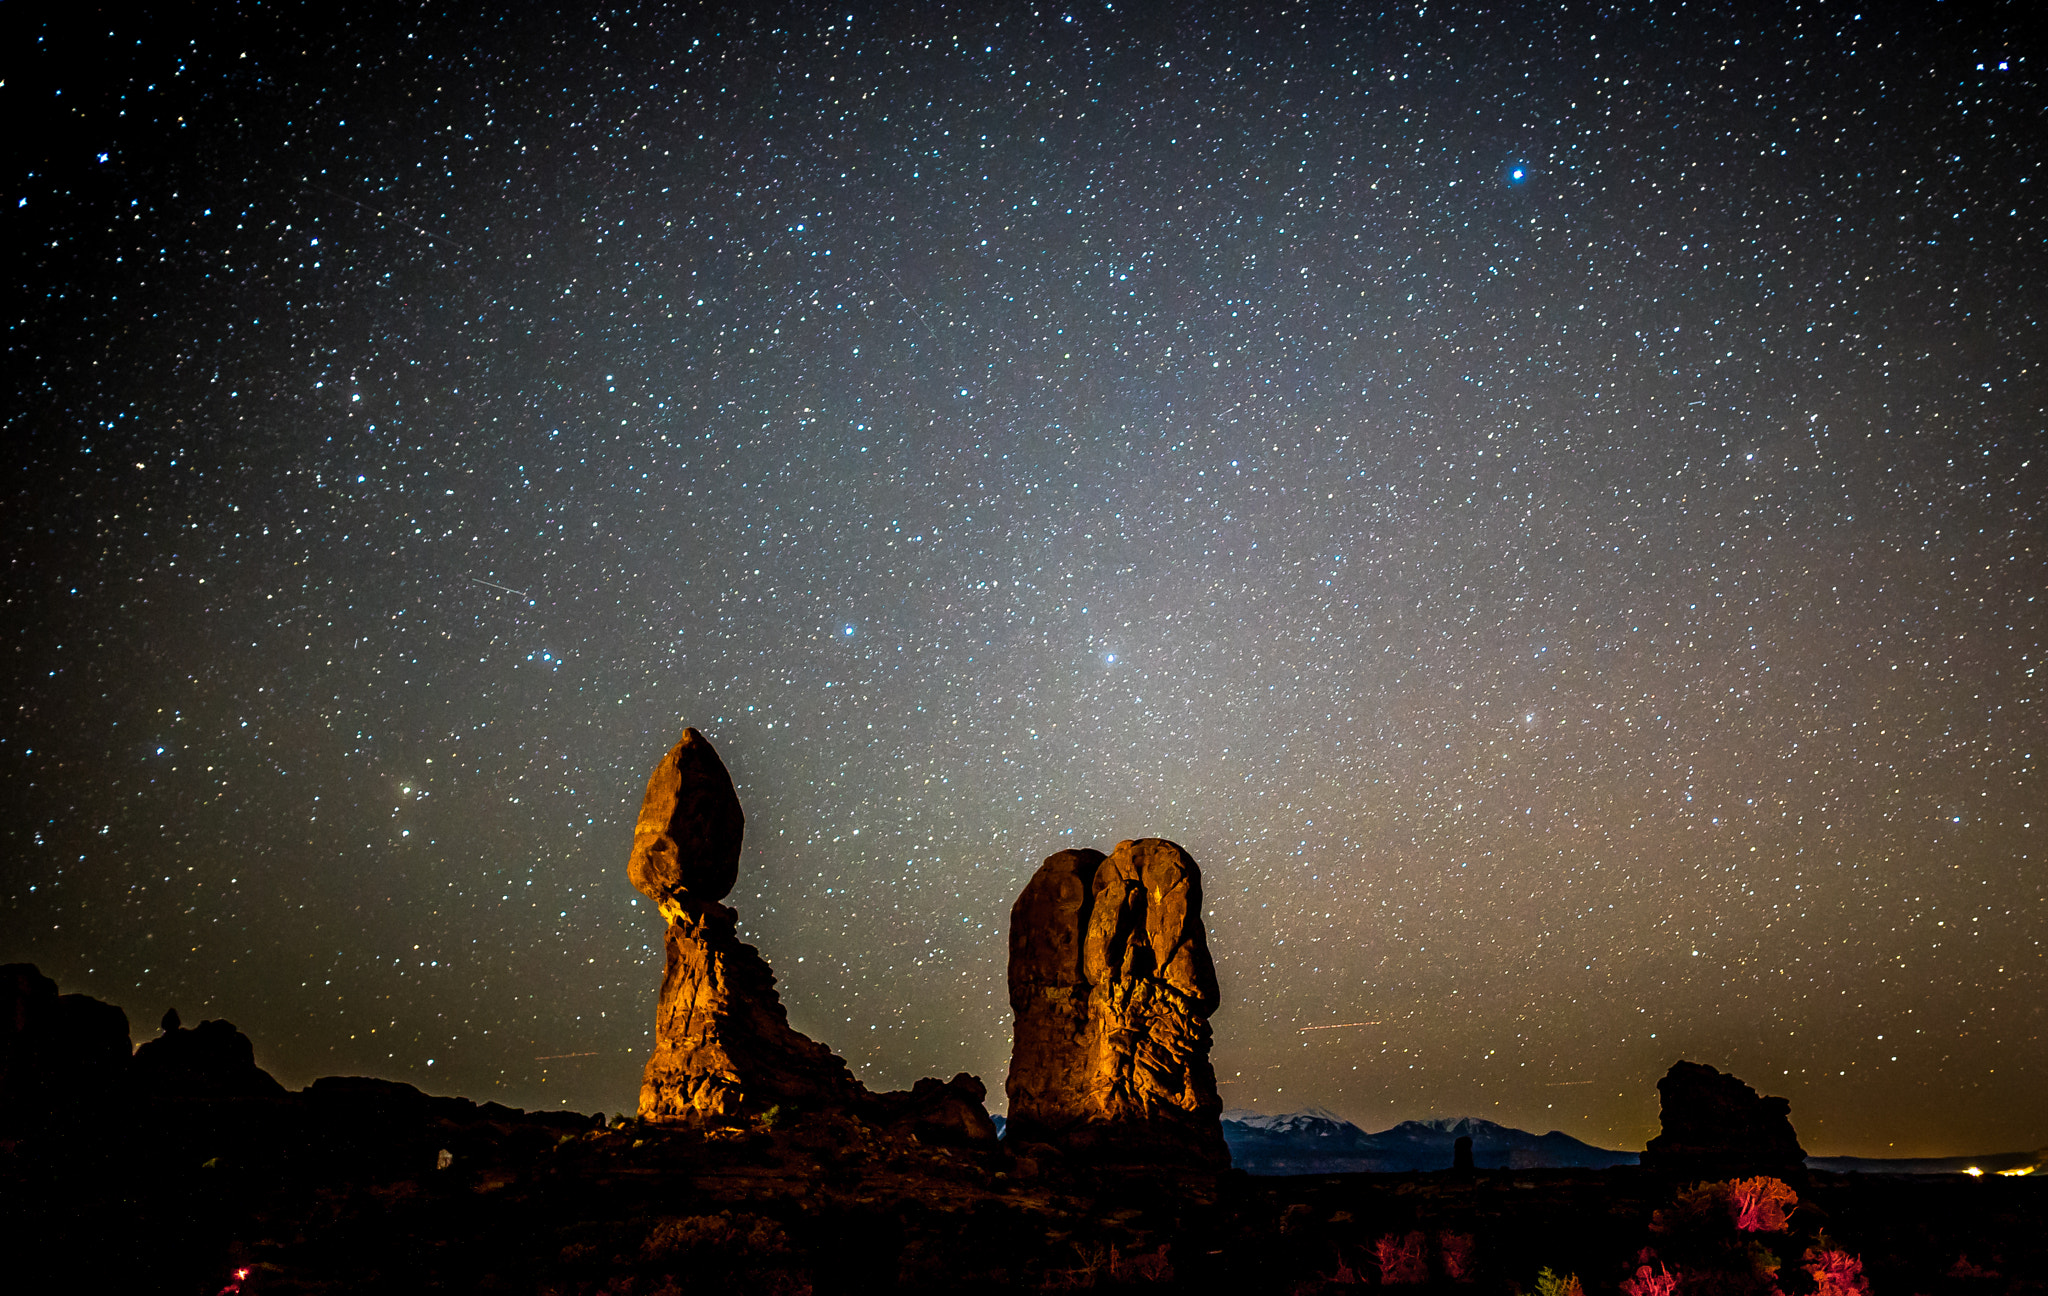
1112,986
723,1045
1717,1127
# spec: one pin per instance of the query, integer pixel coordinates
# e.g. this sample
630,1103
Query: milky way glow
1546,509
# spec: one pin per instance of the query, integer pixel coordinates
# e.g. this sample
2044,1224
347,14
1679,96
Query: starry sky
1545,503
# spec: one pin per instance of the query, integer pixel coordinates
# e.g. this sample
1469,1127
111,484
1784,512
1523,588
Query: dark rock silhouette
1112,986
55,1050
212,1060
724,1051
1461,1153
1717,1127
940,1111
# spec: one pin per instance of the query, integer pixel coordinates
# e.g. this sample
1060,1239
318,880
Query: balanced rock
723,1046
1112,986
1717,1127
686,845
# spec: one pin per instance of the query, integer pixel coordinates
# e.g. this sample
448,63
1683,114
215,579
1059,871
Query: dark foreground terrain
363,1186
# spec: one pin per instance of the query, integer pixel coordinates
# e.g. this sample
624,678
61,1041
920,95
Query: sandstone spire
723,1046
1112,986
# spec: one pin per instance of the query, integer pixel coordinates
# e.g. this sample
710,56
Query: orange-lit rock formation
1112,986
723,1045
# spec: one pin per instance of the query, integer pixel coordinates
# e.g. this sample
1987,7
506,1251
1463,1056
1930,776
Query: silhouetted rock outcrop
211,1060
1717,1127
55,1050
1112,986
939,1111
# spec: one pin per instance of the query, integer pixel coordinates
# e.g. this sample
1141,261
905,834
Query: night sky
1546,504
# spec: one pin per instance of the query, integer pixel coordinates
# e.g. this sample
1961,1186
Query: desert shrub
1457,1252
1402,1258
1145,1266
732,1237
1836,1273
1712,1236
1548,1283
1761,1204
1649,1282
1964,1267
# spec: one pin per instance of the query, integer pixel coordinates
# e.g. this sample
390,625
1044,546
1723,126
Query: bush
1836,1273
1761,1204
1402,1259
1549,1284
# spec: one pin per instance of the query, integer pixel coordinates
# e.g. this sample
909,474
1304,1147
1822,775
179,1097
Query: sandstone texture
686,845
723,1046
1112,986
1717,1127
942,1112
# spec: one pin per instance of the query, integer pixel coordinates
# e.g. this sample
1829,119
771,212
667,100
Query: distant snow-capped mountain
1314,1141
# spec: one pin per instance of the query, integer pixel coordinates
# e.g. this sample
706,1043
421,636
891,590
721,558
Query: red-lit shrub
1402,1259
1648,1282
1703,1236
1761,1204
1836,1273
1457,1253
